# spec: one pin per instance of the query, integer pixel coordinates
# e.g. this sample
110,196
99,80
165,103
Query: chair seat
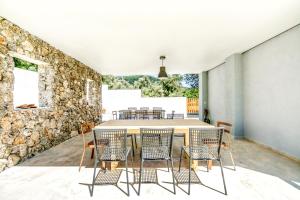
114,154
100,142
155,153
91,143
200,153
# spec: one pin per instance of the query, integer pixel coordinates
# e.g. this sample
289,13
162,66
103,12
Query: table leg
209,164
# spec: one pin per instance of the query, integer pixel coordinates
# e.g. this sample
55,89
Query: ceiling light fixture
162,70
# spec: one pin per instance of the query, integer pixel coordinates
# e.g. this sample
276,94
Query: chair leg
221,166
132,145
126,165
94,177
135,141
180,159
140,178
168,165
82,157
92,154
207,168
232,160
132,160
189,186
172,168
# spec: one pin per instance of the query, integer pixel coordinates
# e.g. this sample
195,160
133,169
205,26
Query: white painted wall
272,93
114,100
217,94
26,90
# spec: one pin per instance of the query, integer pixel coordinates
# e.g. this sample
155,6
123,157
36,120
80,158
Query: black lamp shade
162,72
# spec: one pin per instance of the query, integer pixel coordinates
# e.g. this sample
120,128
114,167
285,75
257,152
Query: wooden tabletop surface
162,123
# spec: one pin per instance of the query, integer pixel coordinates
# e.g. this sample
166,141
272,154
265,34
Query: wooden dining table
179,125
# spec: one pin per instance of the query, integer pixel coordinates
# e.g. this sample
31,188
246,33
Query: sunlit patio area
260,174
158,99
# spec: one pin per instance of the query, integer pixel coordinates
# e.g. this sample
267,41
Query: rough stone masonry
63,104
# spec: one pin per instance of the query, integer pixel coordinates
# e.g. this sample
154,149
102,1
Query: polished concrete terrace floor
53,174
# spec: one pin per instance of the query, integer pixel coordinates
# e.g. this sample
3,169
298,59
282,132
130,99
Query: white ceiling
128,36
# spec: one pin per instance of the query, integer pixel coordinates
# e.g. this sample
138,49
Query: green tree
191,92
114,82
22,64
192,80
172,85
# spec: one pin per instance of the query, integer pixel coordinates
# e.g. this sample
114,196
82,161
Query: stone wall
62,90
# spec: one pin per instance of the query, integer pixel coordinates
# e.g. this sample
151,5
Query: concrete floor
53,174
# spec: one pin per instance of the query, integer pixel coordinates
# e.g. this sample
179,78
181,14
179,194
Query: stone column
234,94
203,93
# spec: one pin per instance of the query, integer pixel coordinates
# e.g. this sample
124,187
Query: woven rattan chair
156,145
158,114
204,145
132,108
115,115
143,114
86,128
144,108
227,139
111,146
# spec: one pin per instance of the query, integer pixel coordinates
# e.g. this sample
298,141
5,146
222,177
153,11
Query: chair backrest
178,116
109,138
227,126
175,116
169,116
144,108
115,115
157,108
127,114
86,127
158,114
143,114
132,108
205,143
157,138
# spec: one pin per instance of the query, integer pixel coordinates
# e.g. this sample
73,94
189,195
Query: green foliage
114,82
131,79
172,86
191,92
22,64
192,80
151,86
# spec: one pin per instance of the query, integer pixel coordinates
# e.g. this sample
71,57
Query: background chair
84,129
227,139
158,114
132,108
144,108
204,145
144,114
110,145
115,115
156,145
